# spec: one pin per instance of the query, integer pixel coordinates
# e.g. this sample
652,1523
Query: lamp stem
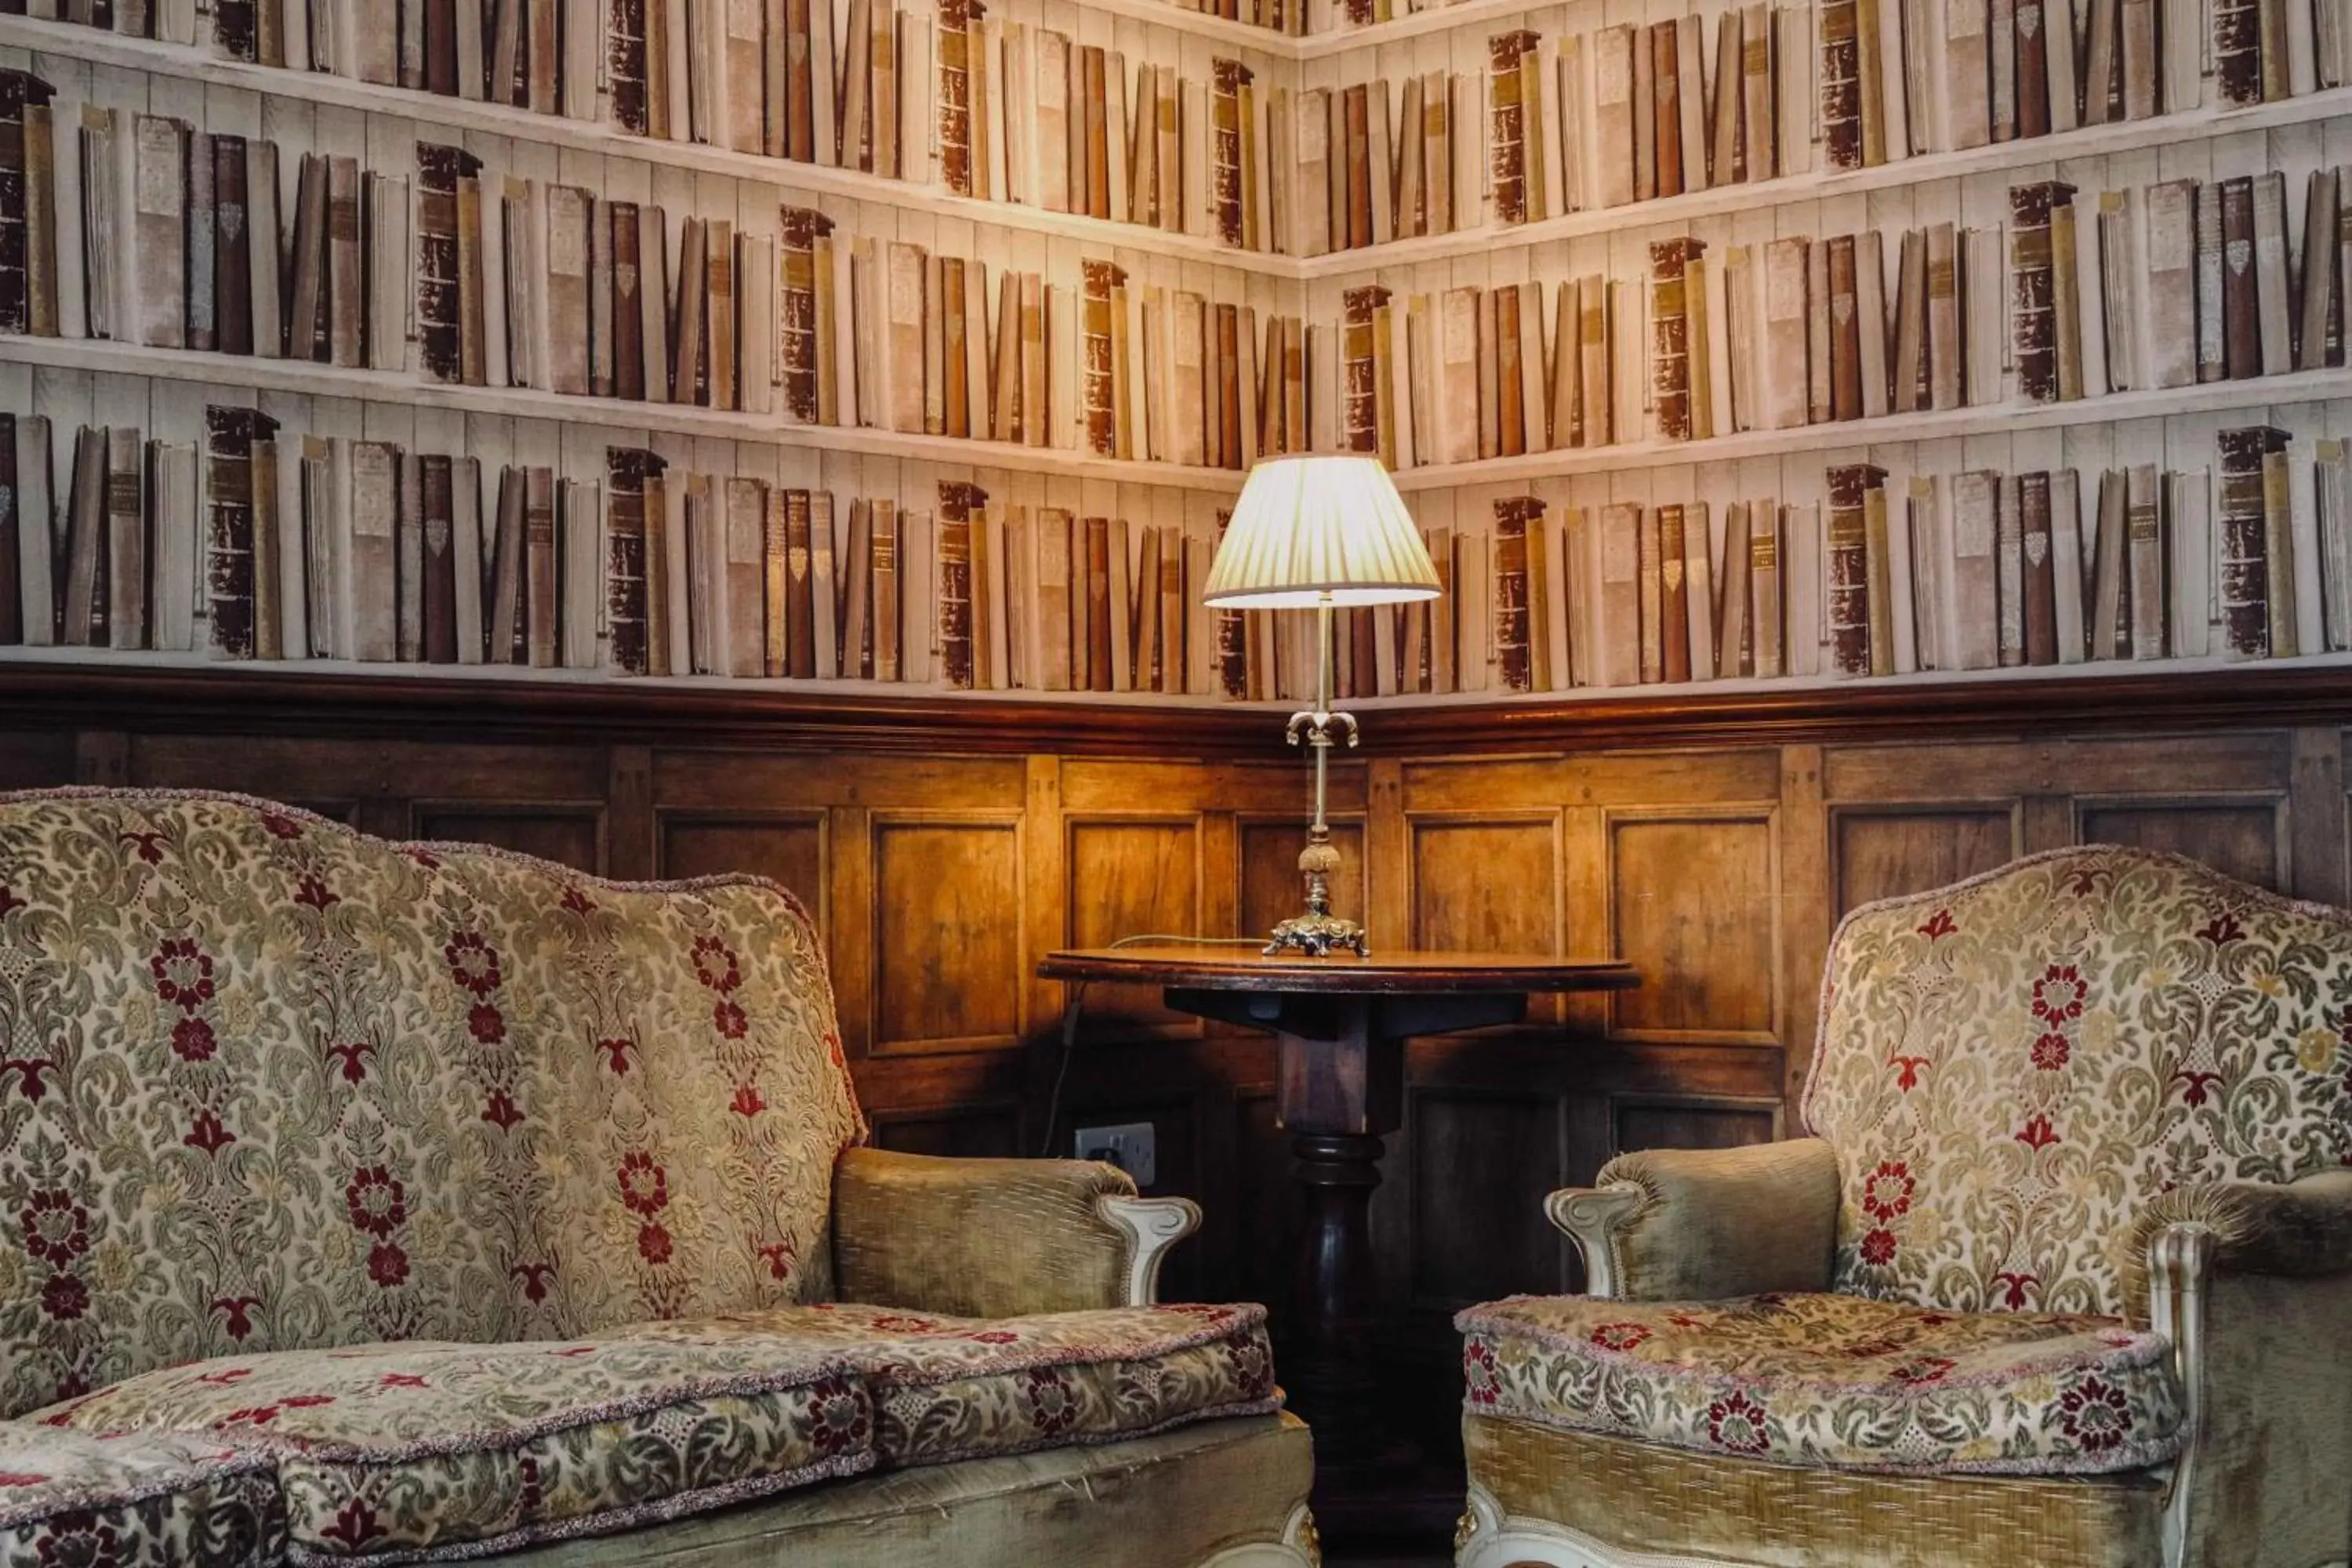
1320,737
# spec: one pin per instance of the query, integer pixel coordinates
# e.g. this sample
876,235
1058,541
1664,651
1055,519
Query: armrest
1690,1225
997,1239
2299,1229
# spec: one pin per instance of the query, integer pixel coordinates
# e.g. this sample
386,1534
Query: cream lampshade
1315,533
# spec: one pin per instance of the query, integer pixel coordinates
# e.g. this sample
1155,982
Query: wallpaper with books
927,342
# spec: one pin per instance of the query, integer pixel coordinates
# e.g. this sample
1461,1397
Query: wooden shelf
2090,142
303,377
1437,19
2158,402
65,688
437,115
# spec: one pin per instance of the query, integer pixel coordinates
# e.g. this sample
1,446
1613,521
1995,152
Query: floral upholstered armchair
2063,1277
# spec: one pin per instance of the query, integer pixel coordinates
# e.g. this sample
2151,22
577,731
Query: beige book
903,360
1612,114
1783,393
883,62
1437,150
1870,304
1690,100
1534,404
1188,348
1313,236
2171,284
1383,167
1593,340
1456,413
1168,160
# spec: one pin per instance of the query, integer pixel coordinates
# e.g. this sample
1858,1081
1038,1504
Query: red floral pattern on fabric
437,997
2049,1048
1832,1381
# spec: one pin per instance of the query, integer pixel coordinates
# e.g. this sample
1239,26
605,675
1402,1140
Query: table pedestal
1340,1089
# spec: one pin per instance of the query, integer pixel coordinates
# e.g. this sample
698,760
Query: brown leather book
775,645
1649,592
1097,604
2237,50
1225,186
1878,567
1358,172
625,228
2244,553
2278,553
1229,383
1914,383
2040,569
1849,566
1507,129
229,438
2066,298
439,620
1645,121
1845,331
1514,517
1841,84
470,281
1670,362
84,614
1674,593
953,563
1666,136
233,248
2032,308
626,621
542,618
2242,335
2033,46
2144,536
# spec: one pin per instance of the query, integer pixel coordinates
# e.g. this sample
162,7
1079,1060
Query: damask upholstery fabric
69,1500
1832,1381
2012,1069
947,1388
267,1084
397,1452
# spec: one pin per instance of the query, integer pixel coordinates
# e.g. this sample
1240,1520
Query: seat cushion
955,1388
1834,1381
74,1499
408,1452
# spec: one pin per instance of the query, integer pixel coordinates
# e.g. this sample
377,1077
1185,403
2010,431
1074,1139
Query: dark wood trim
1235,968
287,700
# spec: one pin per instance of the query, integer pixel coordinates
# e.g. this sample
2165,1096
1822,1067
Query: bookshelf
2170,429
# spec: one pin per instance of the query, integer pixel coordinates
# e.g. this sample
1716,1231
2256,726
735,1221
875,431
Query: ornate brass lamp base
1318,933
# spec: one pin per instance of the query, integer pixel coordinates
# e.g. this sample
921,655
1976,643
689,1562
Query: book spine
1670,357
2033,312
1848,568
2245,587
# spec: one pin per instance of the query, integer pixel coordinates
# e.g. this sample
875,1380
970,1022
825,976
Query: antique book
1650,597
2189,517
1675,588
2242,588
2034,310
627,618
2332,501
1509,621
198,242
1849,568
229,526
441,282
2321,305
1929,522
1975,591
1613,49
1851,328
2033,50
1780,66
2170,285
1841,84
346,289
2275,309
2001,34
158,214
1736,650
2144,534
83,617
2279,552
2039,568
1871,316
1787,333
1617,639
2236,49
1821,332
2066,565
1670,356
2212,349
1645,120
2066,283
2240,308
2110,607
2009,547
437,564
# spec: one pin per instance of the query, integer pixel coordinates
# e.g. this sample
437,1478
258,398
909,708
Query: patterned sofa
2063,1277
364,1204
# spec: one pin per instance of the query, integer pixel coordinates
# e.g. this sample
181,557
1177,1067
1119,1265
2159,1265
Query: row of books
945,96
259,543
139,229
2080,295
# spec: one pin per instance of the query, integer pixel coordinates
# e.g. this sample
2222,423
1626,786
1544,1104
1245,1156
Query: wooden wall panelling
36,759
789,847
2244,836
949,967
1693,1121
570,833
1693,903
1484,1159
1883,852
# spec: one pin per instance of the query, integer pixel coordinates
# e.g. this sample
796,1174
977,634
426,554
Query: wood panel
1694,906
948,965
981,1132
1884,854
1133,876
2242,838
1482,1162
1672,1122
574,837
788,850
1482,885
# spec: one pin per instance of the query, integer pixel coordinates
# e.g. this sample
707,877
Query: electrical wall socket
1133,1147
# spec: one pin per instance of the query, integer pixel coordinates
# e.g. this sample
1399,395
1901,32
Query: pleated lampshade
1312,530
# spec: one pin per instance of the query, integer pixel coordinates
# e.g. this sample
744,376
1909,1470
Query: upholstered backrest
267,1083
2011,1068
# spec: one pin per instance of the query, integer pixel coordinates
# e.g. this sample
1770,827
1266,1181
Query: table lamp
1319,533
